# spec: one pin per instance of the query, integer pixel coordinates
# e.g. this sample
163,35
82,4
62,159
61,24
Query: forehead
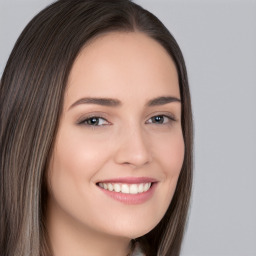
127,62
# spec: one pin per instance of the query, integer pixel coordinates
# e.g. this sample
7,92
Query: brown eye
158,119
161,119
94,121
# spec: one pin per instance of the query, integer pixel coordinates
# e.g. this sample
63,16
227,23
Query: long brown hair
31,98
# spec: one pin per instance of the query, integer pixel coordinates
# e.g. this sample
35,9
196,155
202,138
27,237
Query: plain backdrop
218,40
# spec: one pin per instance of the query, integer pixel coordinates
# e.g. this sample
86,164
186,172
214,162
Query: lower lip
131,198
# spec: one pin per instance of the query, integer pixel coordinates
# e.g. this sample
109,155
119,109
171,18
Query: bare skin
136,134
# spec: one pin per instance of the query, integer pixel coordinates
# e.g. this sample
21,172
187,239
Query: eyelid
169,117
82,120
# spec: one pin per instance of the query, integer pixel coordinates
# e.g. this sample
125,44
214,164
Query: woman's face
119,147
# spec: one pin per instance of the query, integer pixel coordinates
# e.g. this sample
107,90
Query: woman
96,134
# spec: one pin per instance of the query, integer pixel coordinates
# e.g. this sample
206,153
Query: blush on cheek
74,153
173,158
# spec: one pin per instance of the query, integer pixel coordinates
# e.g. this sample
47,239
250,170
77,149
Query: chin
133,230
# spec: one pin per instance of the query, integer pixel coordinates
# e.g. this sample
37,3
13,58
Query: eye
94,121
160,119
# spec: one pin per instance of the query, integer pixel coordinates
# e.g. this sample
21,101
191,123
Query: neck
68,237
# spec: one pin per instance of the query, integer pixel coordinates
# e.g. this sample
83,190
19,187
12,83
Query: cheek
78,155
74,163
170,153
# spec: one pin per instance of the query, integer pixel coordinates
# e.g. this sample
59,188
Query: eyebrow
162,101
109,102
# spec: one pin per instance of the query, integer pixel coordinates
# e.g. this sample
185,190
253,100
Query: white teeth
141,187
146,186
134,189
117,187
110,187
126,188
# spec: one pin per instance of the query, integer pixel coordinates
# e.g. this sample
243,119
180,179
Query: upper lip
129,180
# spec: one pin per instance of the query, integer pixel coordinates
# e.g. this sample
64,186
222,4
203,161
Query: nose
133,148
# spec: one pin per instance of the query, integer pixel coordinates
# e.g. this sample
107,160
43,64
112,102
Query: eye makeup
98,120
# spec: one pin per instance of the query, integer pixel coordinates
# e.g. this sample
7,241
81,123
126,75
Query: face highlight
119,147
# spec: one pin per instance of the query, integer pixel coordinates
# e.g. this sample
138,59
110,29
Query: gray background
218,39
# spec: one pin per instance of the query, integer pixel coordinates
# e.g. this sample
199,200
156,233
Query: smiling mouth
126,188
129,190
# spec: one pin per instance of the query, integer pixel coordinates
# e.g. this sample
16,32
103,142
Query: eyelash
87,119
97,118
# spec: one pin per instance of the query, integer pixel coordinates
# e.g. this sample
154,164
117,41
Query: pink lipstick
129,190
